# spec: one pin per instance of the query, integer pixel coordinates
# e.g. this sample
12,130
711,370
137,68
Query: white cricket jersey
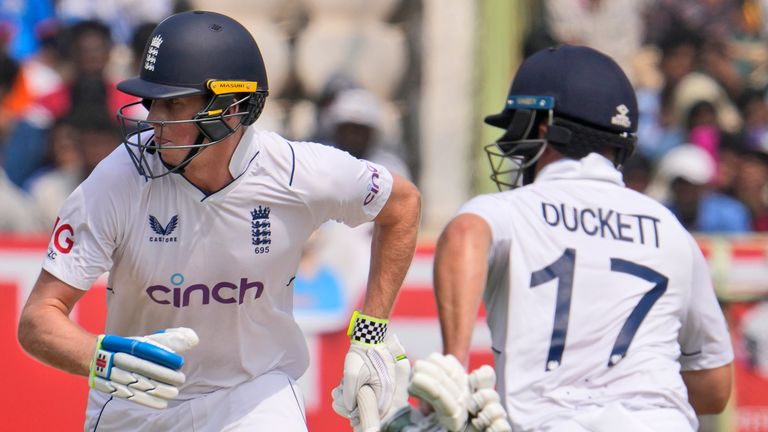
595,294
221,264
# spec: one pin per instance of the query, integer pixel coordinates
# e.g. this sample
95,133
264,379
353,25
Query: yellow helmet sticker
224,87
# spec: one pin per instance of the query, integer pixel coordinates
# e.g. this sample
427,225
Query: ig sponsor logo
180,295
63,239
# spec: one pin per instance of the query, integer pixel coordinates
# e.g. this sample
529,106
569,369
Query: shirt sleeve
704,339
84,236
488,208
339,186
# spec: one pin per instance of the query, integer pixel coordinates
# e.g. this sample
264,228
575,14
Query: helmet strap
191,154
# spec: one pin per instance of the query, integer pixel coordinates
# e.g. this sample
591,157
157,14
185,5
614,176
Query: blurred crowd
700,68
60,61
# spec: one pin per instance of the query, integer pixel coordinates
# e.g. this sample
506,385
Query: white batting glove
399,405
485,409
441,381
142,369
461,402
370,362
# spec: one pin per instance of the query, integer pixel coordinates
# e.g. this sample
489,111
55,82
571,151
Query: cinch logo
164,232
221,292
373,187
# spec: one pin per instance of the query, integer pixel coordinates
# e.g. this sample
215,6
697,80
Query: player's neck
209,171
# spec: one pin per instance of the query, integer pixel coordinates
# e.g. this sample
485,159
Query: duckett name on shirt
221,292
606,223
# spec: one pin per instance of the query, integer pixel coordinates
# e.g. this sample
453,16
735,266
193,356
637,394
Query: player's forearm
54,339
709,389
46,332
392,248
459,275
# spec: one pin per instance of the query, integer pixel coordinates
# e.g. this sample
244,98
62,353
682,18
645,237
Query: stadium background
431,69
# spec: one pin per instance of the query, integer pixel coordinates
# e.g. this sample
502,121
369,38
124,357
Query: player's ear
543,128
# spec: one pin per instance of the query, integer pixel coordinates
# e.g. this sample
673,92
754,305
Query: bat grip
369,409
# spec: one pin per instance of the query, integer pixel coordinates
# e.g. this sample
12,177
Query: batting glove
369,361
145,369
394,353
441,381
484,406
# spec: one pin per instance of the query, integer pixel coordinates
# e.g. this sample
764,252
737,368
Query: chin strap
179,169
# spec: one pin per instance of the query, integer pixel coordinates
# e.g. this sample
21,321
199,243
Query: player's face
175,134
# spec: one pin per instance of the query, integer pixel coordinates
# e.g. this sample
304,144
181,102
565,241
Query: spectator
51,185
37,98
659,127
8,71
752,186
18,213
336,84
356,122
731,155
124,16
682,183
614,27
637,173
754,110
77,146
90,50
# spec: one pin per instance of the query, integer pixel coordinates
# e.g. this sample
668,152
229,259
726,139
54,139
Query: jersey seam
293,163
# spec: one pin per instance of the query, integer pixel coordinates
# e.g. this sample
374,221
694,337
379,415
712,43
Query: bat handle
369,409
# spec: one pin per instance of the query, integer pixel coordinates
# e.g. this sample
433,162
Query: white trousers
272,401
615,417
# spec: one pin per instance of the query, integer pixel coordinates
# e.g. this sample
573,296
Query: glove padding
142,369
385,366
485,409
461,402
441,381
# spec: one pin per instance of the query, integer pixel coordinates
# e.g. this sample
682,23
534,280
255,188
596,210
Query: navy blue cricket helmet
586,100
195,53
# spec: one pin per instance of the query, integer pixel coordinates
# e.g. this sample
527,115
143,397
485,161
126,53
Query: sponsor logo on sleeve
261,232
63,239
373,185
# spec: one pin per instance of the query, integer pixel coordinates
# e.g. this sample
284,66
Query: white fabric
615,417
531,228
272,401
178,258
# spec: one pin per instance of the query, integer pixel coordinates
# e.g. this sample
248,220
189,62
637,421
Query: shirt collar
591,167
244,153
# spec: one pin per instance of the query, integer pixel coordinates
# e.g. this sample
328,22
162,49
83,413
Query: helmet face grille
139,134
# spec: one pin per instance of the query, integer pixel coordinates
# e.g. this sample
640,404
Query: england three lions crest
261,233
